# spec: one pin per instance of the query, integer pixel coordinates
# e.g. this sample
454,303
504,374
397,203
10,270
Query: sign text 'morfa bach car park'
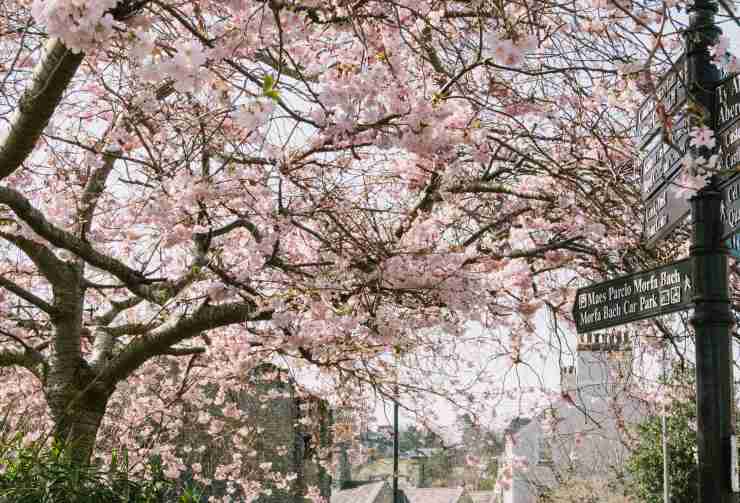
635,297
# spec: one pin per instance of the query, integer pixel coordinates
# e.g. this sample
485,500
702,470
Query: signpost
715,211
702,281
662,161
638,296
727,100
729,143
660,166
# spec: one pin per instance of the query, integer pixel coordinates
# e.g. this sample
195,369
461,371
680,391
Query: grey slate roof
482,496
367,493
433,495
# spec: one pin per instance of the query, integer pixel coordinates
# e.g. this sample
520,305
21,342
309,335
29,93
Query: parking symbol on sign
665,297
676,294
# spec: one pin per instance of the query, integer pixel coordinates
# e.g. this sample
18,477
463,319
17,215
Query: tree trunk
77,410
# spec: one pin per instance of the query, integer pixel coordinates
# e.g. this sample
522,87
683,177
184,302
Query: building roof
366,493
482,496
433,495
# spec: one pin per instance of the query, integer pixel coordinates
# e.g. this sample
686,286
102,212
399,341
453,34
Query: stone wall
289,432
315,427
295,435
273,407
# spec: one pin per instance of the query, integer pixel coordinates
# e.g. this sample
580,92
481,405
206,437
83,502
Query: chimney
568,380
608,343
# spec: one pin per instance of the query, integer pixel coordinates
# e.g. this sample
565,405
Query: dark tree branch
117,307
27,296
63,239
51,76
52,268
93,190
185,351
160,341
129,329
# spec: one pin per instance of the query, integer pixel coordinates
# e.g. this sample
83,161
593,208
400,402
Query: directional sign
723,73
660,161
728,101
670,93
729,212
646,294
666,209
729,144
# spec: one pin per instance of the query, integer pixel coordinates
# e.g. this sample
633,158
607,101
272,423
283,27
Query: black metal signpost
702,281
712,319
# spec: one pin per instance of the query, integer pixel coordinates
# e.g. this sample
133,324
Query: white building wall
523,445
586,435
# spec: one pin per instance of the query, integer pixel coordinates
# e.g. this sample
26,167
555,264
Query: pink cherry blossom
702,137
377,196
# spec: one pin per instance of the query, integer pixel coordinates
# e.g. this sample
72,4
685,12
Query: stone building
288,436
295,435
349,490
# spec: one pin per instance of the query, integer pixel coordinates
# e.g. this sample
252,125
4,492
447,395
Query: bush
38,474
645,463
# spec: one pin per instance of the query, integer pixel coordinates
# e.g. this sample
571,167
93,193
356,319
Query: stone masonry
295,435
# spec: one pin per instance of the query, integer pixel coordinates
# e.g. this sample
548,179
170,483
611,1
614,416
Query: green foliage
484,444
268,88
488,480
38,474
439,468
646,461
411,439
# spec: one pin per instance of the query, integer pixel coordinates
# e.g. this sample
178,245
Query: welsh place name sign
664,290
664,210
729,144
729,212
728,101
660,161
670,94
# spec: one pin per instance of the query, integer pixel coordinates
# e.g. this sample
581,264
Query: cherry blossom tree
192,188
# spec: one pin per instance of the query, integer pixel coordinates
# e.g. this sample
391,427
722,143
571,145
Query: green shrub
38,474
